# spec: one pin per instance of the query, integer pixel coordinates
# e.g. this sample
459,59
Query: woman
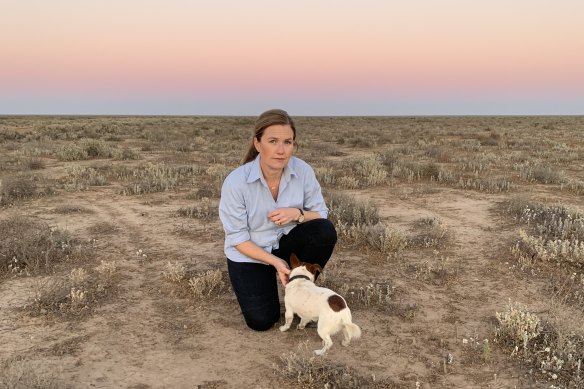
271,207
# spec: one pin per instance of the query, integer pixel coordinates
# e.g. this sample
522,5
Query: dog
312,303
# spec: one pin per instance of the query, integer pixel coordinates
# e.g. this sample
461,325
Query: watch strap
301,217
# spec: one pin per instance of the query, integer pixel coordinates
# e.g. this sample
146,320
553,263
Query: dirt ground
149,333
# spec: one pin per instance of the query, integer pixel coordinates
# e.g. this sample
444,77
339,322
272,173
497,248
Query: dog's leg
346,337
327,343
289,315
303,323
325,333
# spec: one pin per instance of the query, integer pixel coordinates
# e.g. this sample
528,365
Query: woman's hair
265,120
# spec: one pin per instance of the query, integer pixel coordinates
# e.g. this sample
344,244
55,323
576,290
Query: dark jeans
255,285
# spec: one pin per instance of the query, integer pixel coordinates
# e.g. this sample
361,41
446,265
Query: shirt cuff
235,238
323,214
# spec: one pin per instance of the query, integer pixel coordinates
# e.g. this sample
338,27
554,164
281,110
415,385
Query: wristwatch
301,217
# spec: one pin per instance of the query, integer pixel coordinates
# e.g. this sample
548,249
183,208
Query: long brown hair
265,120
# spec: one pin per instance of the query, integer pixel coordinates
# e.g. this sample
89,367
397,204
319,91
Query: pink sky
232,56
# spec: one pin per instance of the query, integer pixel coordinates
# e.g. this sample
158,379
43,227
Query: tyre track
130,345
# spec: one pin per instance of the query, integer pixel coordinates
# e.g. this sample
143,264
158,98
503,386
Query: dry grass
103,228
71,209
200,287
175,272
358,224
32,246
314,372
553,347
550,243
83,177
518,325
434,232
21,373
206,210
75,295
207,284
21,187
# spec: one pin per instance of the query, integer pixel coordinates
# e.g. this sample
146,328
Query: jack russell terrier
311,303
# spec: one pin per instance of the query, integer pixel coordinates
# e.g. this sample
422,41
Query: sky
317,57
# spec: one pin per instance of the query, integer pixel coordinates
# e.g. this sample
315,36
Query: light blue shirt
246,202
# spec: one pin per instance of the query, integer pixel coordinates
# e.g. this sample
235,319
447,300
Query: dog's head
302,268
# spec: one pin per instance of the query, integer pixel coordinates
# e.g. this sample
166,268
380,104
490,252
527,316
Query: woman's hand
283,270
252,250
283,216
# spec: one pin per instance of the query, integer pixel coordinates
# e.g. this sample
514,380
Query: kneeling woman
270,207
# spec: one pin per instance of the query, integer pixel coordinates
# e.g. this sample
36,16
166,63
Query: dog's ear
314,268
294,261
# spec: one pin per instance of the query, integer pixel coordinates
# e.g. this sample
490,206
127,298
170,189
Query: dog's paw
284,328
345,342
319,352
301,326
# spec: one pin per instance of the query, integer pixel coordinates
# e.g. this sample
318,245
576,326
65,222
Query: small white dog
311,303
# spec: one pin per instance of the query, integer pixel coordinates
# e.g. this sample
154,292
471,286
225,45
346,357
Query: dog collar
297,277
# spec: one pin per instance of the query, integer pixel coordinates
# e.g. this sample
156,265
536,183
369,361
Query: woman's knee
260,312
326,232
332,232
261,322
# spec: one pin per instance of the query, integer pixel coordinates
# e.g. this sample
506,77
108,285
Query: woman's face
275,146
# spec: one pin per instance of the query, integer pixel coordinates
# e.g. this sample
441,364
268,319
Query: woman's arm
252,250
283,216
311,215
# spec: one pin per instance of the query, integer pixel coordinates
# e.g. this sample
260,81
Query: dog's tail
352,329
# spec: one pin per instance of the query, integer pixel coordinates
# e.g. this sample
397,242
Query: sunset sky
367,57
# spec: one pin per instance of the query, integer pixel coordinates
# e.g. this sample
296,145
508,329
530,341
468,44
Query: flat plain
461,254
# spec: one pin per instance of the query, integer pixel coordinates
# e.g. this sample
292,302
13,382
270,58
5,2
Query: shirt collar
256,171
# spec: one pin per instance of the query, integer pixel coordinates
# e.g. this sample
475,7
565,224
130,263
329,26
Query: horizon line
6,115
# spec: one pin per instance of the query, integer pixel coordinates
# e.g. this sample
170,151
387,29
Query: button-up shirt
246,202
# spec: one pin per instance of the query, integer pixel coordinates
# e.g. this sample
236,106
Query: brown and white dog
311,303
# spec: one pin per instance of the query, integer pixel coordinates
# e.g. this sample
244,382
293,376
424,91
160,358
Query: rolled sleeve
233,215
313,199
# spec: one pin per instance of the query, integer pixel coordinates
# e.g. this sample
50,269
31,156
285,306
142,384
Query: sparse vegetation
103,228
438,271
314,372
106,223
385,239
556,355
21,373
69,209
83,177
207,284
18,188
151,178
373,294
205,210
354,174
518,325
358,223
346,210
33,245
434,233
85,149
175,272
76,294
